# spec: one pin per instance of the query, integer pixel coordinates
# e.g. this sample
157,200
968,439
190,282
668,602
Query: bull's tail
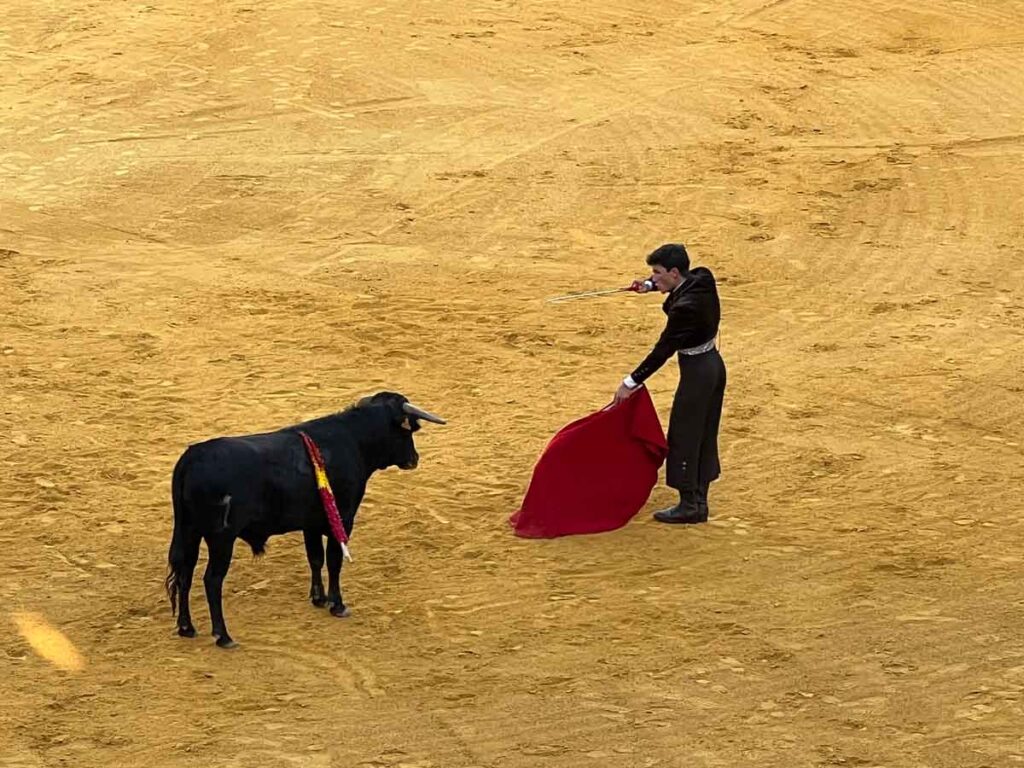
177,557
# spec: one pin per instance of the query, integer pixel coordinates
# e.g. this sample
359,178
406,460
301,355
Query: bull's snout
412,463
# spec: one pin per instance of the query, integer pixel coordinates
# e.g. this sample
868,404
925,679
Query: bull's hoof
187,631
317,596
226,642
340,611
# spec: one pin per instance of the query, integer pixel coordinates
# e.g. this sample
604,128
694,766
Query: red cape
596,473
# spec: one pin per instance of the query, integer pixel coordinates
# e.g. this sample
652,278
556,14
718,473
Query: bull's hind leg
315,555
220,547
334,558
189,558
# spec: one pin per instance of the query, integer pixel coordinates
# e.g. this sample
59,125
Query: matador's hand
623,393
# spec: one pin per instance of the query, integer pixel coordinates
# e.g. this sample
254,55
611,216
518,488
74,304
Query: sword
587,294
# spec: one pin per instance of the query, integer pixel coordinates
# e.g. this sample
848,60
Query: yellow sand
224,217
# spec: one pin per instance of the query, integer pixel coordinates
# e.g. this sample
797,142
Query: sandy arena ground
224,217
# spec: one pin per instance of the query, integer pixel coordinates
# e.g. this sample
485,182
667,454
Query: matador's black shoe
687,511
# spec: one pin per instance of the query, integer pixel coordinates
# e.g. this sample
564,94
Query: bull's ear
364,401
406,424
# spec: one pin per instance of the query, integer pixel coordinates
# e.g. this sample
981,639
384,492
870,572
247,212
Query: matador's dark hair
670,256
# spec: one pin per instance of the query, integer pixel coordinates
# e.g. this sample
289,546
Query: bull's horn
419,413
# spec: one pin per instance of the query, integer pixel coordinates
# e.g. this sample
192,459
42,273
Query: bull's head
403,420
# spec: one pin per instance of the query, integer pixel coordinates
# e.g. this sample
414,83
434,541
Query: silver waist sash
698,350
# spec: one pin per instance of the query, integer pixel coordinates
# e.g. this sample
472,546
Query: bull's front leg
334,558
315,555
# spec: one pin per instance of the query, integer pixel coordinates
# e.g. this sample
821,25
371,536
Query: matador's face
665,280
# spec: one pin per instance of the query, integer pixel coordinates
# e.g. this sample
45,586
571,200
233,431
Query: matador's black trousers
693,426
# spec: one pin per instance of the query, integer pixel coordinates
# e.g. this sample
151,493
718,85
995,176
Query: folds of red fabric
596,473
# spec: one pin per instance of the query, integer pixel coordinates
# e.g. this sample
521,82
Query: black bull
257,486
